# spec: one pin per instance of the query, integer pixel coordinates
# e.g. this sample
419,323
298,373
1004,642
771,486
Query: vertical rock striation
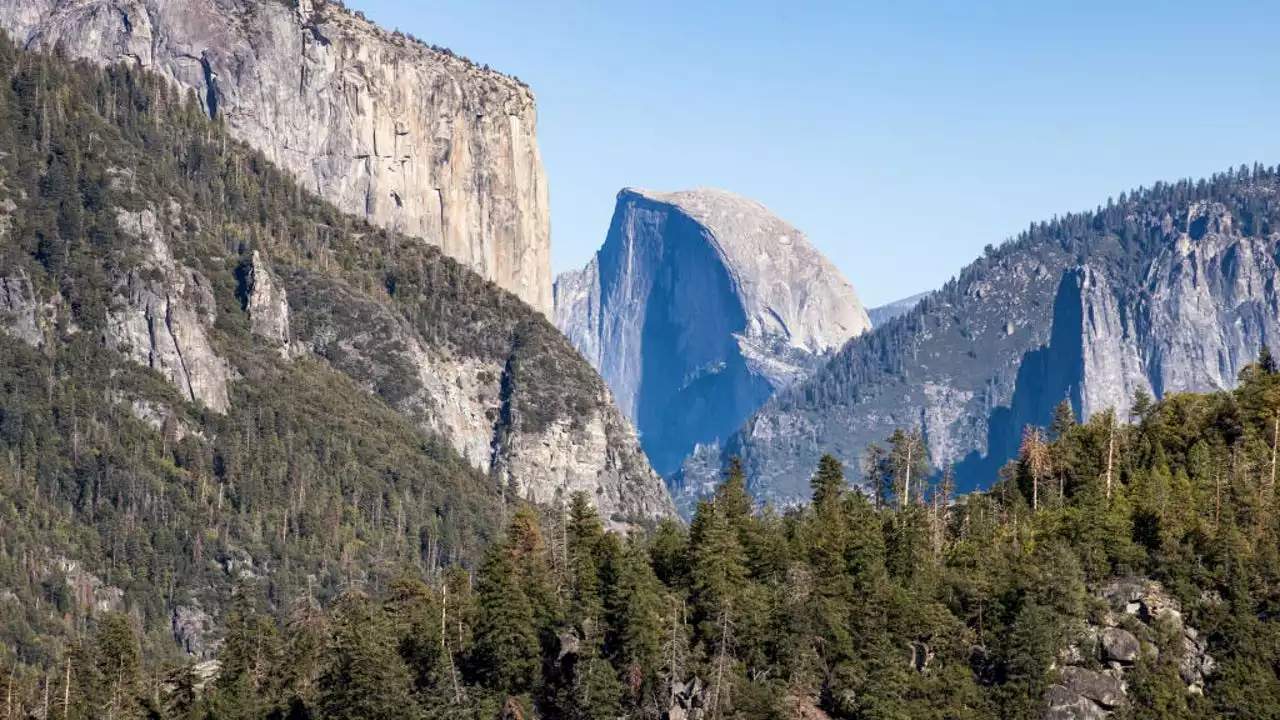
697,308
412,138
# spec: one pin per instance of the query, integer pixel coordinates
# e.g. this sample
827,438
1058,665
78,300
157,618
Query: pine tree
585,550
1035,463
733,501
1142,404
249,661
909,468
118,664
1064,418
1267,361
532,564
827,536
718,565
594,692
668,553
827,483
364,677
639,614
876,476
416,616
505,656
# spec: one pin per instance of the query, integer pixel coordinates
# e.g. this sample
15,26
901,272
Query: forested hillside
1123,570
209,376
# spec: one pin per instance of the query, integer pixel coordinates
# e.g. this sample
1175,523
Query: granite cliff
410,137
699,306
1168,289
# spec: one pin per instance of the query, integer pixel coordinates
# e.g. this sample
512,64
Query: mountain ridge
882,314
974,362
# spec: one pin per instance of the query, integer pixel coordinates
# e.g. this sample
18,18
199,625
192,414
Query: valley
295,421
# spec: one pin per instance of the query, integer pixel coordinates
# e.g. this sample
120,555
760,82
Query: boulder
1065,704
1102,689
1120,645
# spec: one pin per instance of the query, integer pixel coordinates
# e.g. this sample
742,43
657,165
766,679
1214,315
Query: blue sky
901,136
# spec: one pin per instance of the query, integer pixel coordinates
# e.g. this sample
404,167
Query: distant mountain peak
884,313
701,304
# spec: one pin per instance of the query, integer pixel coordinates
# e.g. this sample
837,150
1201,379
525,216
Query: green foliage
936,610
364,678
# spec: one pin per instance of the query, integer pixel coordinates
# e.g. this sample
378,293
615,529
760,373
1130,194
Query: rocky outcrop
413,138
267,304
159,315
1159,294
596,455
192,630
1094,672
473,402
20,314
698,307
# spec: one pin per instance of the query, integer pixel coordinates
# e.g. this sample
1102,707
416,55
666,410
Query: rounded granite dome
788,289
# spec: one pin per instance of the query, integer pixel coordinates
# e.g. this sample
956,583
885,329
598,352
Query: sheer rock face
20,314
1033,326
159,316
697,308
381,126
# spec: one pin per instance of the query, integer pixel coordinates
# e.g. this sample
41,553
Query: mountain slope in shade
1172,288
699,306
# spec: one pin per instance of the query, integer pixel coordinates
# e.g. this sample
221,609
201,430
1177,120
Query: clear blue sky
901,136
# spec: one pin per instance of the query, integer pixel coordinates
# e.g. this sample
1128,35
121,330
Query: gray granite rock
1120,646
698,307
267,304
1066,704
160,314
1101,688
1023,328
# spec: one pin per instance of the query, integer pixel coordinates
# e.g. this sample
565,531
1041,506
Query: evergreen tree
249,658
639,612
586,561
505,657
118,661
364,677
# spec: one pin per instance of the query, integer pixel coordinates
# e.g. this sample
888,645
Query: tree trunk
1111,449
66,692
906,492
720,661
1275,440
